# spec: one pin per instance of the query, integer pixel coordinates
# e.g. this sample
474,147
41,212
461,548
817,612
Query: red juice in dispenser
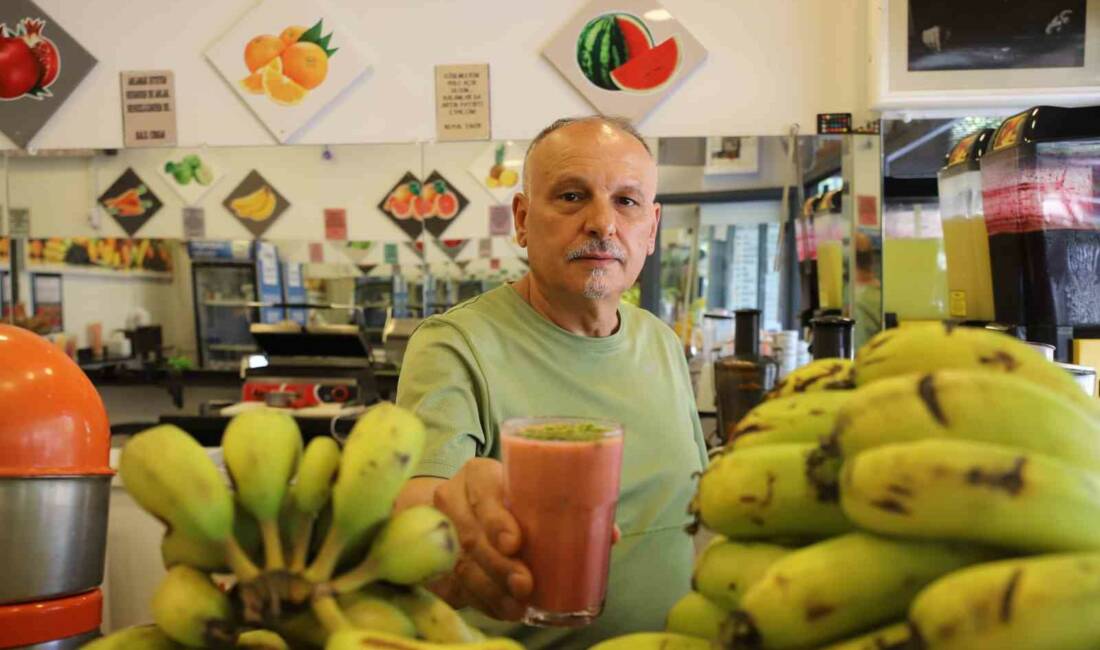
1042,207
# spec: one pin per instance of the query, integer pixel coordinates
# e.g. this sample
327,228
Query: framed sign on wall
939,54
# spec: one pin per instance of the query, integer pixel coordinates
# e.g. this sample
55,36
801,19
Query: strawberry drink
562,485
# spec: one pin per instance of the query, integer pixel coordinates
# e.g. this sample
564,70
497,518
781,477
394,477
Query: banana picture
256,203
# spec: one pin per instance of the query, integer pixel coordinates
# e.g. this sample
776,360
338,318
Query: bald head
603,127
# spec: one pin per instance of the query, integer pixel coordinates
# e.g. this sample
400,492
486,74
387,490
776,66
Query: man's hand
487,575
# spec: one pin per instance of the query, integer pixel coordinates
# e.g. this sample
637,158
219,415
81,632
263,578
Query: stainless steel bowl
53,535
68,643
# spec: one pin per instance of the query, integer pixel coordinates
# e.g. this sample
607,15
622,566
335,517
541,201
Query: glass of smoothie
561,478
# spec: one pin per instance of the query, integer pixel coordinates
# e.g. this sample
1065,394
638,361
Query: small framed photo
732,155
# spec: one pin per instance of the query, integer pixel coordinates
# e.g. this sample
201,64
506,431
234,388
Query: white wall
772,63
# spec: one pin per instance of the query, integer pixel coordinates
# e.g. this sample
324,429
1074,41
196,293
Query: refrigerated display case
235,284
1041,193
965,239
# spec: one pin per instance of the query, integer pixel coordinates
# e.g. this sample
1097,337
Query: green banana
415,546
654,641
767,491
366,640
838,587
941,346
694,615
969,405
178,548
309,494
973,491
725,569
370,610
261,450
898,636
140,637
818,375
190,609
261,640
379,456
434,619
804,417
1050,602
169,474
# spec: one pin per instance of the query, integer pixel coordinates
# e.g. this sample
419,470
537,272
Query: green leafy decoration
317,36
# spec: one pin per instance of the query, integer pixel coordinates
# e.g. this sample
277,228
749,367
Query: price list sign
462,102
149,108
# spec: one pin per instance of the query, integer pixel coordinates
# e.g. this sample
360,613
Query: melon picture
650,70
446,205
609,41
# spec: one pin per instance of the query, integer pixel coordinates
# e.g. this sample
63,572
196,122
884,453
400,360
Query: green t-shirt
494,357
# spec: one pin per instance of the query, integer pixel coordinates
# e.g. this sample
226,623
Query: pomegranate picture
29,62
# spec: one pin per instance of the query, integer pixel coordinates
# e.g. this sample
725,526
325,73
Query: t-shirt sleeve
440,383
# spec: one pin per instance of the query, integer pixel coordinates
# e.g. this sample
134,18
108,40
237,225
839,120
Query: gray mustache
593,246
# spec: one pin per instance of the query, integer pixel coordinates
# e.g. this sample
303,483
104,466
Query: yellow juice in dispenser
830,274
969,279
915,278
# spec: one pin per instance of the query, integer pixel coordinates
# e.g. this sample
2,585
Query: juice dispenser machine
965,240
55,483
1041,193
832,232
807,258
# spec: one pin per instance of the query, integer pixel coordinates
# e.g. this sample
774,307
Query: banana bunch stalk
282,523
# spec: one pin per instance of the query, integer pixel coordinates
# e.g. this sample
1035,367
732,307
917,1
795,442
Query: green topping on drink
567,432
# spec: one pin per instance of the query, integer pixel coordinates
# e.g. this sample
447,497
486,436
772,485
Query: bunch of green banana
139,637
973,491
931,347
434,619
372,610
694,615
726,569
897,636
383,448
968,405
261,449
654,641
1049,602
803,417
770,490
190,609
309,494
415,546
368,640
839,587
818,375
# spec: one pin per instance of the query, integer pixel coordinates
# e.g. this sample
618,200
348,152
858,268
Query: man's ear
520,204
656,227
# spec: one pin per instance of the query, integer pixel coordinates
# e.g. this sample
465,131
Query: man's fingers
511,575
485,494
452,503
485,593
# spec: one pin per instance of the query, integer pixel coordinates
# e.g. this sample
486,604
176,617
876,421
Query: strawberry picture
29,61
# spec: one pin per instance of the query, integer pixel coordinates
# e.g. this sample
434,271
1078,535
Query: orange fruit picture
305,63
290,35
286,67
261,50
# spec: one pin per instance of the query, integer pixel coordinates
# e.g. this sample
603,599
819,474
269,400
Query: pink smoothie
563,494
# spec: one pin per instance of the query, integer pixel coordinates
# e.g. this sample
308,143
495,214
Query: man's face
587,215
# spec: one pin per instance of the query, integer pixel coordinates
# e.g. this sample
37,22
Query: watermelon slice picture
616,52
649,71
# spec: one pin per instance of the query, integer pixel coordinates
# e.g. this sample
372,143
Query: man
558,342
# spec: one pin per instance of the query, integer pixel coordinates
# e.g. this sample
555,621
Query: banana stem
355,579
330,614
273,545
242,565
325,562
303,532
